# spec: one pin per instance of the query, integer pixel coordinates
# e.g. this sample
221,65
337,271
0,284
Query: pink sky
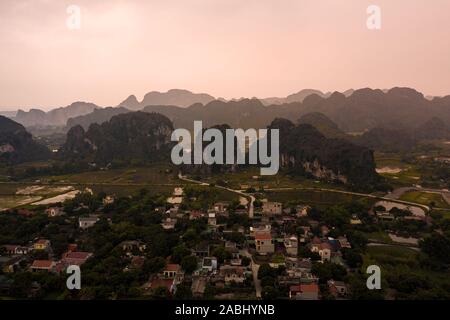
228,48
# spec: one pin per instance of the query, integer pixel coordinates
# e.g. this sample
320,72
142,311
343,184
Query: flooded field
17,196
44,190
57,199
7,202
391,170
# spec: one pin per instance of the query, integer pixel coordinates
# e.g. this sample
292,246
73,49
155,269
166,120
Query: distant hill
134,135
396,137
17,145
322,123
247,113
300,96
144,136
296,97
435,128
8,114
174,97
387,139
352,111
55,117
365,109
97,116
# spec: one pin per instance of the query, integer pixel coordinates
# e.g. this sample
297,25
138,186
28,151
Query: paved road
367,195
397,193
380,244
255,268
389,197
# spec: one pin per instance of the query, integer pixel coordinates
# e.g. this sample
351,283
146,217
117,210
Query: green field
379,236
311,197
409,173
251,177
390,255
157,174
425,198
157,179
395,260
12,201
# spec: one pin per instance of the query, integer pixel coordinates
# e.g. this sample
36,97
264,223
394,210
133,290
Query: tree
221,254
357,239
266,271
246,261
359,291
160,293
352,257
269,293
257,203
437,247
189,264
183,292
179,252
268,282
154,265
327,271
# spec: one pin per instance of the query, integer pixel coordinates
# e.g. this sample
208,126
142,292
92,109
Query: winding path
397,193
367,195
239,192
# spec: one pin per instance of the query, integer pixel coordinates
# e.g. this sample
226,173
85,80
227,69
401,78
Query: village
284,252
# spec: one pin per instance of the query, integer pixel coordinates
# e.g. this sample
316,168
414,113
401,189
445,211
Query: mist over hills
55,117
323,124
8,114
97,116
300,96
352,111
175,97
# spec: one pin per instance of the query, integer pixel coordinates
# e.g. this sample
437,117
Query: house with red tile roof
171,270
264,243
156,282
75,258
308,291
42,265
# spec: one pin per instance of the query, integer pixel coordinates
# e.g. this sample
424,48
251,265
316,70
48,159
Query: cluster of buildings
19,257
263,243
209,271
274,237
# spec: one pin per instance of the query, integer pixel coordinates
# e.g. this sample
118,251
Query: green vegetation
148,175
250,177
311,197
379,236
426,198
408,272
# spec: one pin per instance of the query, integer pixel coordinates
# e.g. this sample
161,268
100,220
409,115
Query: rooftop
263,236
42,264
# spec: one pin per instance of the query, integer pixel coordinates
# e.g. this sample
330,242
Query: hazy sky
228,48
